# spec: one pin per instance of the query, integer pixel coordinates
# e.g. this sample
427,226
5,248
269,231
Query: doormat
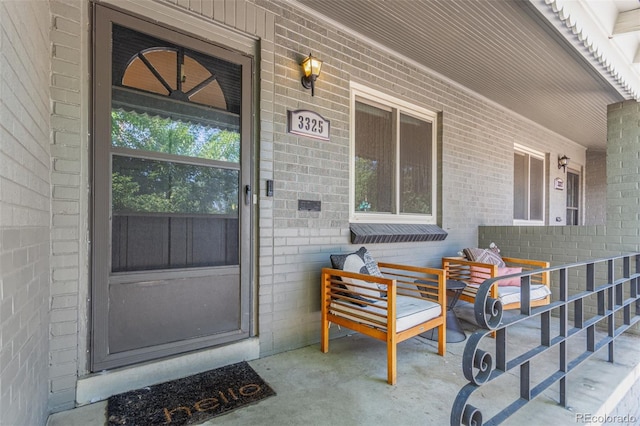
190,400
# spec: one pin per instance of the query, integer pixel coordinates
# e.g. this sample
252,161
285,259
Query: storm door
171,192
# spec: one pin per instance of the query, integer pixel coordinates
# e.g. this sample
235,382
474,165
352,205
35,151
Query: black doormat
191,400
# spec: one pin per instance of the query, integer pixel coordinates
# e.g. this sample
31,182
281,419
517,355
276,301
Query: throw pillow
494,248
479,275
484,256
361,262
509,282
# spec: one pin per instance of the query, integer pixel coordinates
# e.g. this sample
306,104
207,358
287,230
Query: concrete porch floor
347,386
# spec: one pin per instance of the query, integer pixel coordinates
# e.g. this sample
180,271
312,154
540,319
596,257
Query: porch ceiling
511,52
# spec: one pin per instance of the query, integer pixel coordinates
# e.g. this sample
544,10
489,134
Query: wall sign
558,184
308,123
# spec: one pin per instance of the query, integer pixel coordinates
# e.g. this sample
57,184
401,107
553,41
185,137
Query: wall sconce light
563,162
311,68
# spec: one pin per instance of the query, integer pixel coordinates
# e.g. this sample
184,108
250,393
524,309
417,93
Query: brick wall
623,174
69,206
476,182
596,188
24,211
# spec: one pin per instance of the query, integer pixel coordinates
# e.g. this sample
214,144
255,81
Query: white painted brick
64,382
63,25
62,342
60,247
59,178
63,356
67,139
63,328
62,192
66,82
65,274
59,123
64,301
24,118
65,220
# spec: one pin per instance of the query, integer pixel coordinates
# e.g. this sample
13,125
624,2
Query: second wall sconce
311,67
563,162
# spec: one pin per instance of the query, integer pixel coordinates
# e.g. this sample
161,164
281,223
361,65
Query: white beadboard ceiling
503,50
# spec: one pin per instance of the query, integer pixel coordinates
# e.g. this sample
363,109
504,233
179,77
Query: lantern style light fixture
311,67
563,162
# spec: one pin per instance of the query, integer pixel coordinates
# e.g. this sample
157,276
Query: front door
171,193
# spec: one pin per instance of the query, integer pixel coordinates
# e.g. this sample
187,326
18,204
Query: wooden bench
415,302
474,273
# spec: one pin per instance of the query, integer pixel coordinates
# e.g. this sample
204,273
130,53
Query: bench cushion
410,311
511,294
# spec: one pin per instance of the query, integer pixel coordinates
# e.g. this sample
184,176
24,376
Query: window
573,198
528,186
393,165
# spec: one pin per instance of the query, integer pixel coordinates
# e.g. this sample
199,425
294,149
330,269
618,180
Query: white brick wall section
69,201
24,211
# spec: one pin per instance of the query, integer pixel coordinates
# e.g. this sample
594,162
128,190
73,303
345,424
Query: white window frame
541,156
385,101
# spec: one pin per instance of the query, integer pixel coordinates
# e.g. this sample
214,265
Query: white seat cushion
409,312
511,294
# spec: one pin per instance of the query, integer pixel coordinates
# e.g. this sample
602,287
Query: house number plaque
308,123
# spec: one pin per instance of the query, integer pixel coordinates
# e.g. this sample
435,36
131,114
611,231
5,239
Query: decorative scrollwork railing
617,300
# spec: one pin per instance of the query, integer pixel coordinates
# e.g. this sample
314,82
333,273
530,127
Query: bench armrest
406,280
458,268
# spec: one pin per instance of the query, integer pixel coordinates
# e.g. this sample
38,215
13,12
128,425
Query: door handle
247,195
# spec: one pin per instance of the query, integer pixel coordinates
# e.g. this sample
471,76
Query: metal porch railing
602,298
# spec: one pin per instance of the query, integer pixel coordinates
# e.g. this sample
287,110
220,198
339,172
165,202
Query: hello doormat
191,400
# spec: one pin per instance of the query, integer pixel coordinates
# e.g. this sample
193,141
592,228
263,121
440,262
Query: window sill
371,233
517,222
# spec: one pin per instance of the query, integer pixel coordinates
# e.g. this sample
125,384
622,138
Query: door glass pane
374,159
536,189
130,129
520,187
170,215
415,165
151,186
